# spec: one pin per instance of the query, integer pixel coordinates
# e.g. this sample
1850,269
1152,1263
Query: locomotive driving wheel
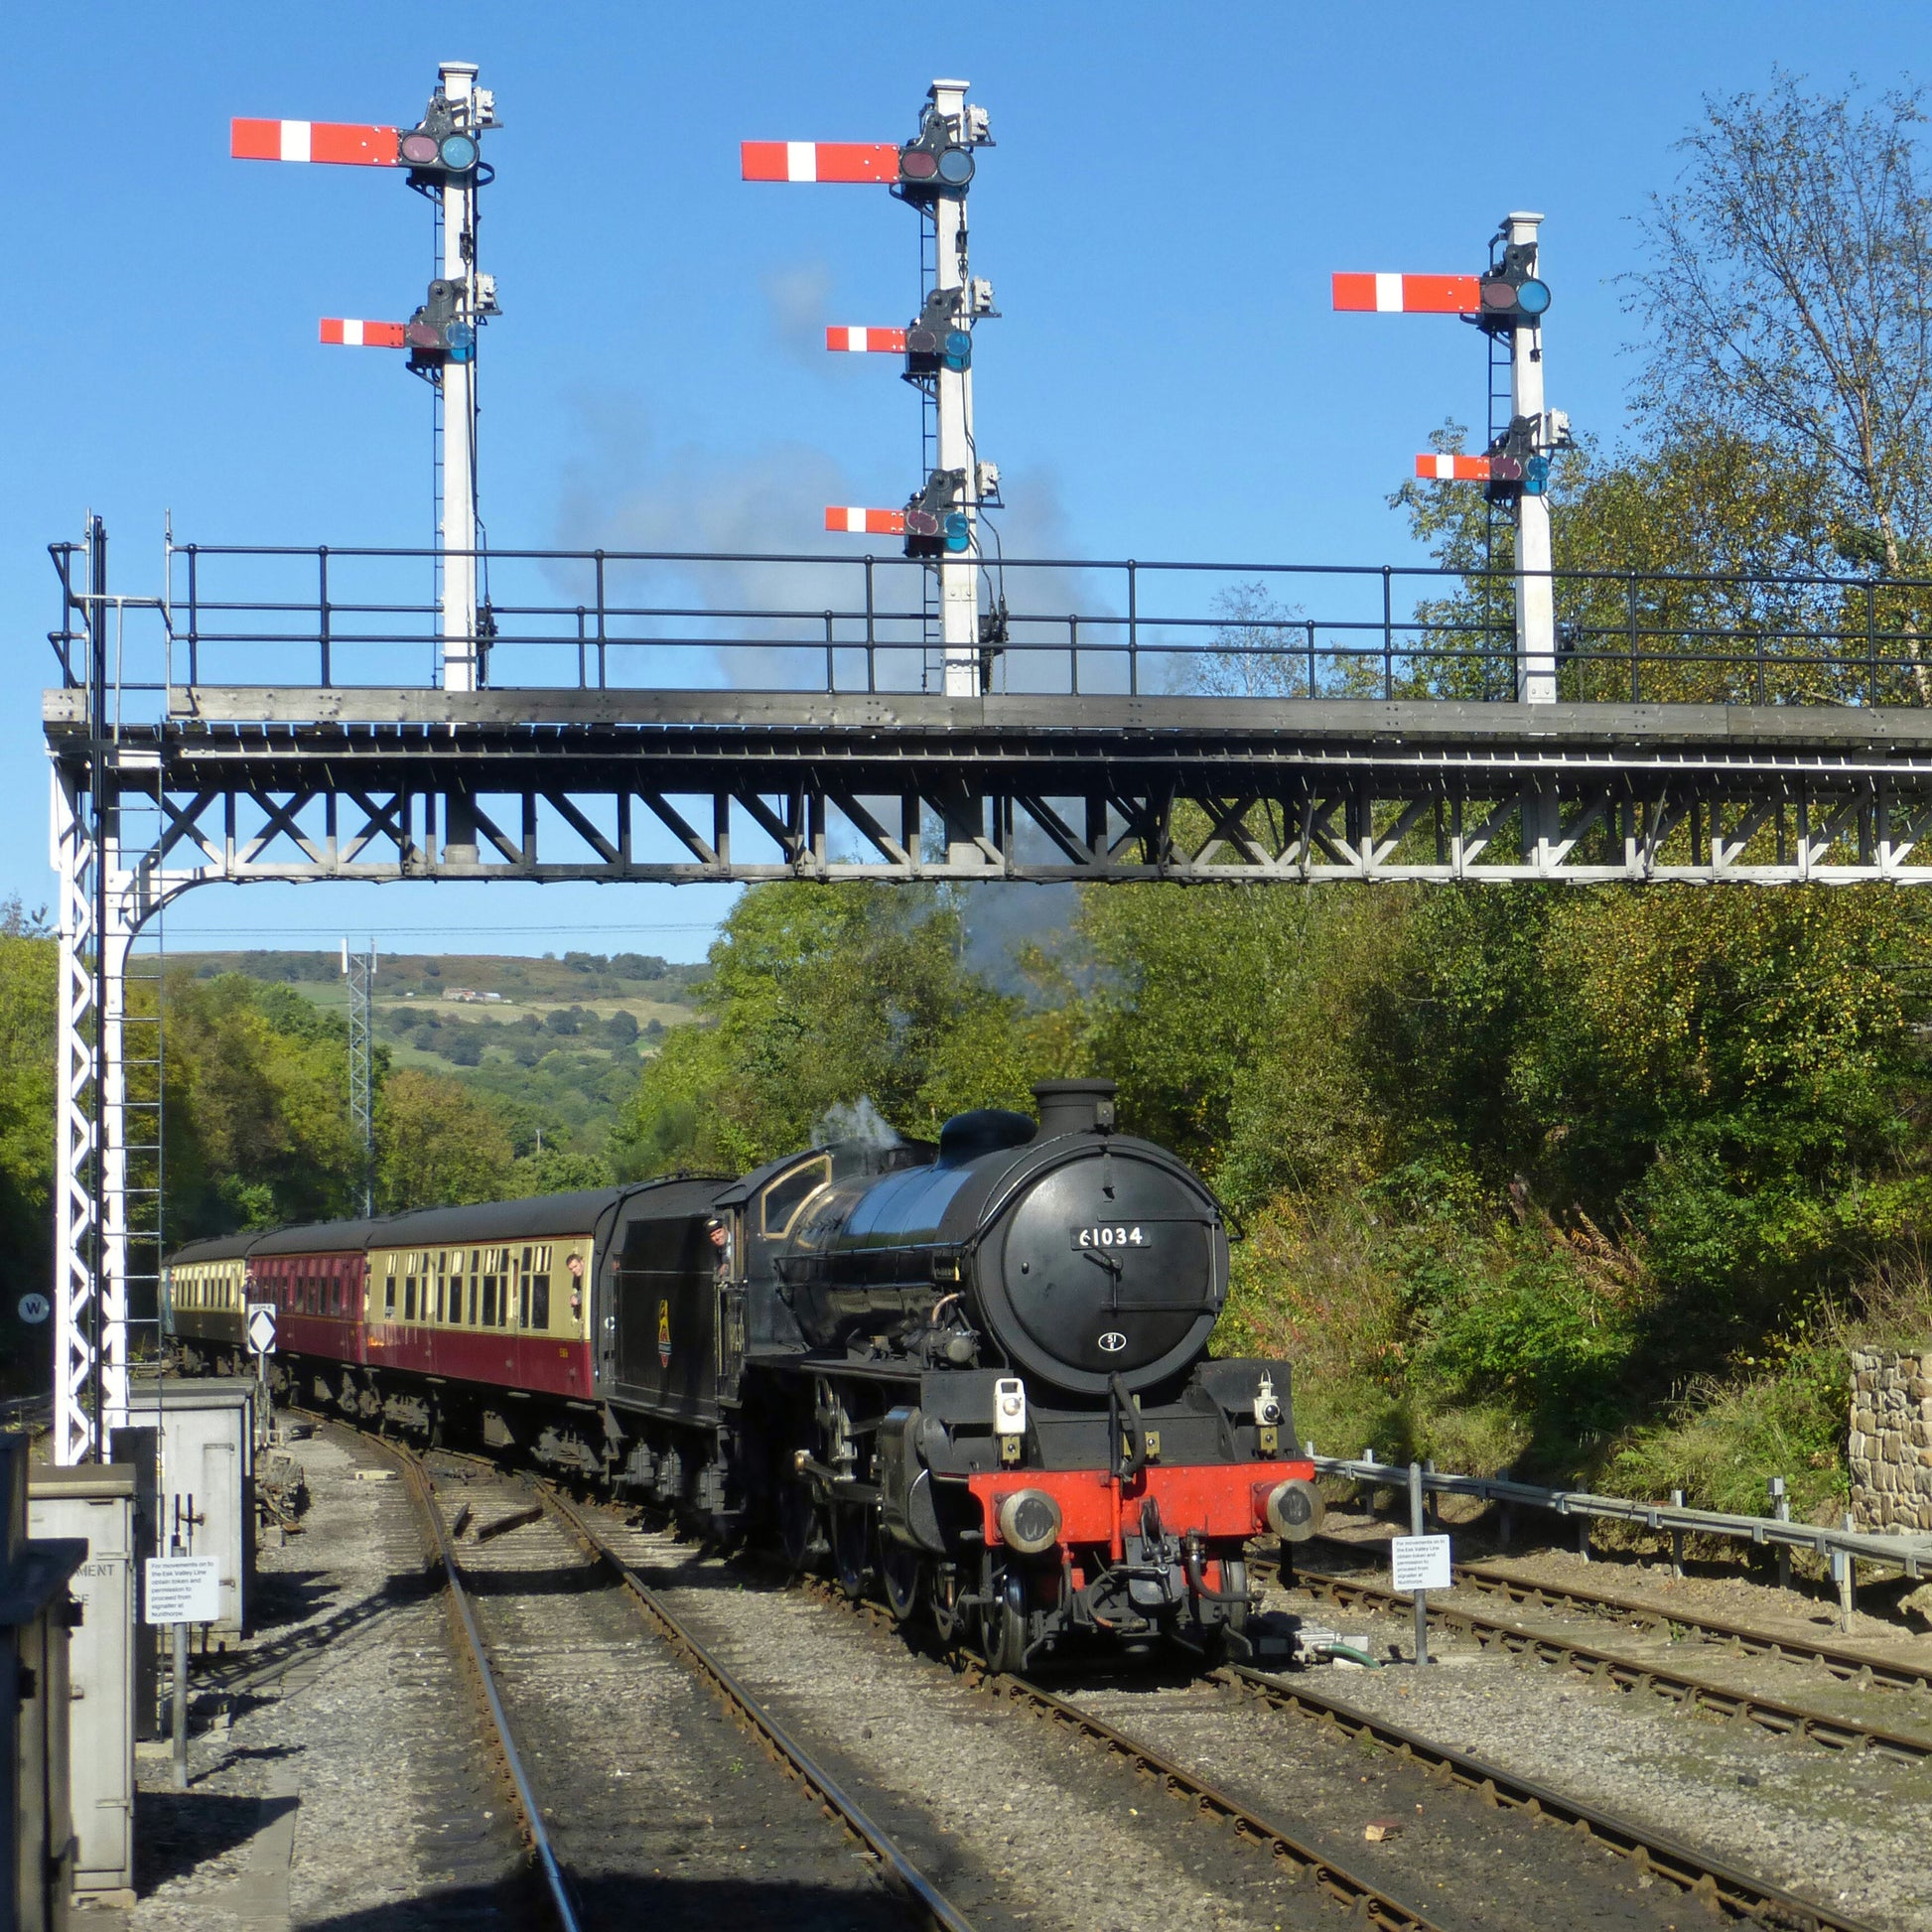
800,1534
852,1549
902,1573
948,1620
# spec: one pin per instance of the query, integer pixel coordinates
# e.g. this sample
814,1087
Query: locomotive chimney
1074,1106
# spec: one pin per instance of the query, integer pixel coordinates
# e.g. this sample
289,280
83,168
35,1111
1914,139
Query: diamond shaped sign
261,1327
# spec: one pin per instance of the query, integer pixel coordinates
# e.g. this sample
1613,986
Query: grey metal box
207,1476
95,1504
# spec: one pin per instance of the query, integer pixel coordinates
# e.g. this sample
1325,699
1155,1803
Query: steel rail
1626,1673
1373,1906
416,1475
901,1872
1837,1658
1715,1883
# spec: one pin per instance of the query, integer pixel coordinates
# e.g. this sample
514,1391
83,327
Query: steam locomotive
972,1376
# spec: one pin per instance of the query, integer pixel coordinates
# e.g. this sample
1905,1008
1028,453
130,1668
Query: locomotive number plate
1113,1236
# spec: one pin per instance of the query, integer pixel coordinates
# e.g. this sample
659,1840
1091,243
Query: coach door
666,1295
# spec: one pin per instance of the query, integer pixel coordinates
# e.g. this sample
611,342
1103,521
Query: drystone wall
1891,1440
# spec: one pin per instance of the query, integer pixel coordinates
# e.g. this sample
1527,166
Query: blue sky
1170,192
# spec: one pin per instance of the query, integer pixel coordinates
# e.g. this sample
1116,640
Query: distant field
563,1042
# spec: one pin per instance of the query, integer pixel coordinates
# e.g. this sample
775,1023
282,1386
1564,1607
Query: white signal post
932,174
1536,606
462,651
959,571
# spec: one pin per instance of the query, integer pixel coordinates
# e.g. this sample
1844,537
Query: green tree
256,1110
28,1021
438,1145
821,995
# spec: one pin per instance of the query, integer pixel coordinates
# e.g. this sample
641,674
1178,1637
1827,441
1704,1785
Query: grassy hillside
558,1042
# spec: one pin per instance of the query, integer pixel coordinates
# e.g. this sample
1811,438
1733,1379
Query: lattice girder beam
1438,829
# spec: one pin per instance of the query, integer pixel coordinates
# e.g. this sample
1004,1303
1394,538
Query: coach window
414,1269
536,1285
389,1286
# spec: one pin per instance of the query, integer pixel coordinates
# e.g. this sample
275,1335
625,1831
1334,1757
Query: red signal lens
918,164
1499,298
417,150
921,523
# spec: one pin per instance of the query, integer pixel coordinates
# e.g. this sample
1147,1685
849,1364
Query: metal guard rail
1907,1552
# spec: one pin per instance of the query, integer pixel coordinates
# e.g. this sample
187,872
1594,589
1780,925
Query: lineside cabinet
95,1504
36,1615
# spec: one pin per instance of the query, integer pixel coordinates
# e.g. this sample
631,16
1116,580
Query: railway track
1722,1887
1843,1662
1367,1901
561,1887
1712,1882
561,1906
929,1903
1621,1672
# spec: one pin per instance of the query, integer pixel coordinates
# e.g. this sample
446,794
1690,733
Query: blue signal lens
959,344
463,342
955,166
458,153
1532,297
1536,476
959,532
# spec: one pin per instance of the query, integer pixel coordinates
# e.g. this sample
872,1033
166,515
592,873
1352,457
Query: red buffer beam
860,162
346,333
344,144
863,523
860,342
1453,468
1409,295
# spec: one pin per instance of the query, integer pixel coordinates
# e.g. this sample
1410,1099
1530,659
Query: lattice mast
941,521
1507,301
442,158
107,1204
358,969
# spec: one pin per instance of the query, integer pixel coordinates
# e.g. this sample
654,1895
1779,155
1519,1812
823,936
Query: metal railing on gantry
247,615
